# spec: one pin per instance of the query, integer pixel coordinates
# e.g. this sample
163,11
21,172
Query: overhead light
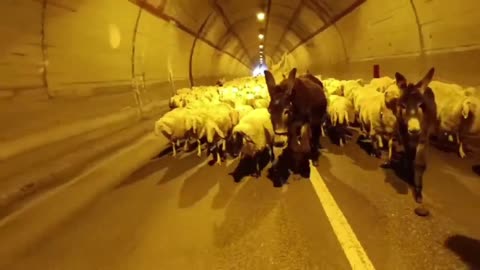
260,16
261,36
260,46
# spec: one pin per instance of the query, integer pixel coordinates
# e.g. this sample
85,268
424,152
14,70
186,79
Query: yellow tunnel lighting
261,36
260,16
260,46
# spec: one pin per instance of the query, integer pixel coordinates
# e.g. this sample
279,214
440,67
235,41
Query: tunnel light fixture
261,36
260,46
260,16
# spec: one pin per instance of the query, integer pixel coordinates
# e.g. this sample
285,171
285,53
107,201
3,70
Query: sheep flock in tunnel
242,117
322,96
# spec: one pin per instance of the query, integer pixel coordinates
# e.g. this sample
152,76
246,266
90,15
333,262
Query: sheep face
236,143
388,120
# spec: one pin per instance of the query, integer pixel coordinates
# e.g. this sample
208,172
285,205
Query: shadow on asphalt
468,249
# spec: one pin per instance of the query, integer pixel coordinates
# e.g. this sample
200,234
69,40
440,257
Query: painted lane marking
356,255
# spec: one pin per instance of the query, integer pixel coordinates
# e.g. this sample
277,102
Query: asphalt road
181,213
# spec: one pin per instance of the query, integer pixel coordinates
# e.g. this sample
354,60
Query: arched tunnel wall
408,36
84,55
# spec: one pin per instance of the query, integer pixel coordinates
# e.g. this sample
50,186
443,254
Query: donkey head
280,106
413,103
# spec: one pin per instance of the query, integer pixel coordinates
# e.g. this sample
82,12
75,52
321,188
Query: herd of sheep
236,113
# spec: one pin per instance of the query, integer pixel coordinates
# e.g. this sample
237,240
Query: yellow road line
356,255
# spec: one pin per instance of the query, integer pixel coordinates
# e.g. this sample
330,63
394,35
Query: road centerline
355,253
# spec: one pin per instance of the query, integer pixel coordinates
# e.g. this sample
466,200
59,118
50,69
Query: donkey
294,158
416,113
294,102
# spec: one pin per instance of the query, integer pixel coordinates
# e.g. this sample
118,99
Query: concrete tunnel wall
409,36
85,54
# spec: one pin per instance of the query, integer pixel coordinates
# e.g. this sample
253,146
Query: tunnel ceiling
231,25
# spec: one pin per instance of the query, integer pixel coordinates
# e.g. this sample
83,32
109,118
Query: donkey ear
401,81
423,84
291,80
270,80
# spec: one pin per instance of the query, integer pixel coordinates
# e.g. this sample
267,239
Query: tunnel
85,183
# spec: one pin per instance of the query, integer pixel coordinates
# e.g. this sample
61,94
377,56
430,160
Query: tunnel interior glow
80,80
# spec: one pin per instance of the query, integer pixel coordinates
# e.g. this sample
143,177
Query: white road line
356,255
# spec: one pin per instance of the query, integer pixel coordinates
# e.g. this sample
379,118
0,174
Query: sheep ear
466,109
423,84
165,128
234,115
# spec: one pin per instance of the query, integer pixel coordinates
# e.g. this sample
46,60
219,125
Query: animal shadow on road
246,166
355,151
468,249
250,206
150,168
197,186
398,175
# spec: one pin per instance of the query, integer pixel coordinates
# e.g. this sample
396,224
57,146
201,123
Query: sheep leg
219,160
375,151
174,149
272,154
340,141
322,130
199,148
256,160
185,146
224,145
390,149
178,142
380,141
461,152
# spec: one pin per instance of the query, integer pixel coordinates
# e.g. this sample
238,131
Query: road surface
181,213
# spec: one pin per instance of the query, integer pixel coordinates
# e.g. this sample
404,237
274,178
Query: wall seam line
419,28
44,49
192,50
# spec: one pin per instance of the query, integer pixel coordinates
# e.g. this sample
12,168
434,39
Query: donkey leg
315,144
420,164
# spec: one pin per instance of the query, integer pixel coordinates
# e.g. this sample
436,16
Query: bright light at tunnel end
261,16
258,71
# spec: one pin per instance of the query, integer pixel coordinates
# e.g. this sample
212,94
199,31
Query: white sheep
218,125
255,132
333,87
360,96
378,121
174,125
341,112
382,83
183,91
243,110
454,111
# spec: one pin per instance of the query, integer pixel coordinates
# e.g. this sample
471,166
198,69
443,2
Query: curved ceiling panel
232,25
